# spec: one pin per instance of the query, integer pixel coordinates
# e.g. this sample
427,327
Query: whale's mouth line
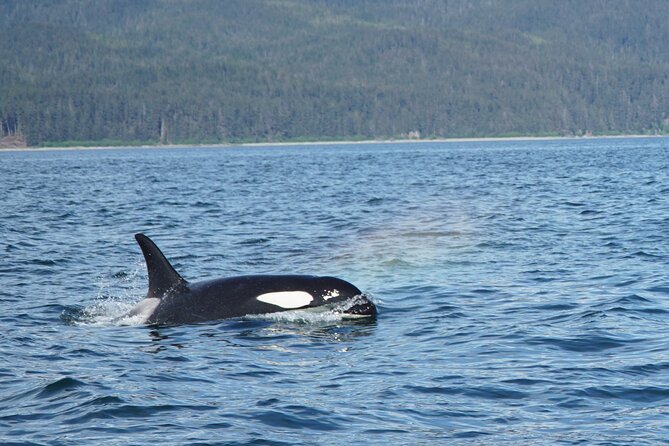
359,311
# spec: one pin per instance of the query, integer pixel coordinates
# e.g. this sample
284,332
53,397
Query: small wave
643,254
648,369
255,241
471,434
486,392
556,307
659,289
495,245
110,409
43,262
433,234
300,417
584,344
631,299
590,212
103,401
638,394
66,384
626,283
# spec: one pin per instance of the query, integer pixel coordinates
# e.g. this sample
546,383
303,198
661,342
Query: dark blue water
523,290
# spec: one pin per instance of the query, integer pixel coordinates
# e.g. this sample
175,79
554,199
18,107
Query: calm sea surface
523,290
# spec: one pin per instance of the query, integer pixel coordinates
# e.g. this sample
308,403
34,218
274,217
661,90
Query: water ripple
522,289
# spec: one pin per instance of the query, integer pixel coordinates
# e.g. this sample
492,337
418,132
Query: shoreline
309,143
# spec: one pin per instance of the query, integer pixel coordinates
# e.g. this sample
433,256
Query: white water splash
108,311
117,295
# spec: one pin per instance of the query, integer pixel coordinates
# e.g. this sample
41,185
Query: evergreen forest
216,71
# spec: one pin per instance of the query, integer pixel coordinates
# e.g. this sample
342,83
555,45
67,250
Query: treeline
225,70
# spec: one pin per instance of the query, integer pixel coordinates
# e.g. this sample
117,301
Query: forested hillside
229,70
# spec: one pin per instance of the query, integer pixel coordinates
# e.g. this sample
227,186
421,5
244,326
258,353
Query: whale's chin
361,309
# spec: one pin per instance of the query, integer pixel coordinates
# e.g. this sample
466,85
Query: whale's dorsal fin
162,275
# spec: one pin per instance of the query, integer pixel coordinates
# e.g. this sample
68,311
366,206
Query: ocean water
522,287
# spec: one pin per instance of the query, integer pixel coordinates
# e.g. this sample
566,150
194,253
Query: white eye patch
287,299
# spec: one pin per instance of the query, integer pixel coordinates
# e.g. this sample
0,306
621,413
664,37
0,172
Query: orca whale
172,300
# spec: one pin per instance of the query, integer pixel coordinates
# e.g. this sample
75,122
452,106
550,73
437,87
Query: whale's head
346,297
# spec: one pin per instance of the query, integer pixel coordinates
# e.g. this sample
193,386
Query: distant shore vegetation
126,72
